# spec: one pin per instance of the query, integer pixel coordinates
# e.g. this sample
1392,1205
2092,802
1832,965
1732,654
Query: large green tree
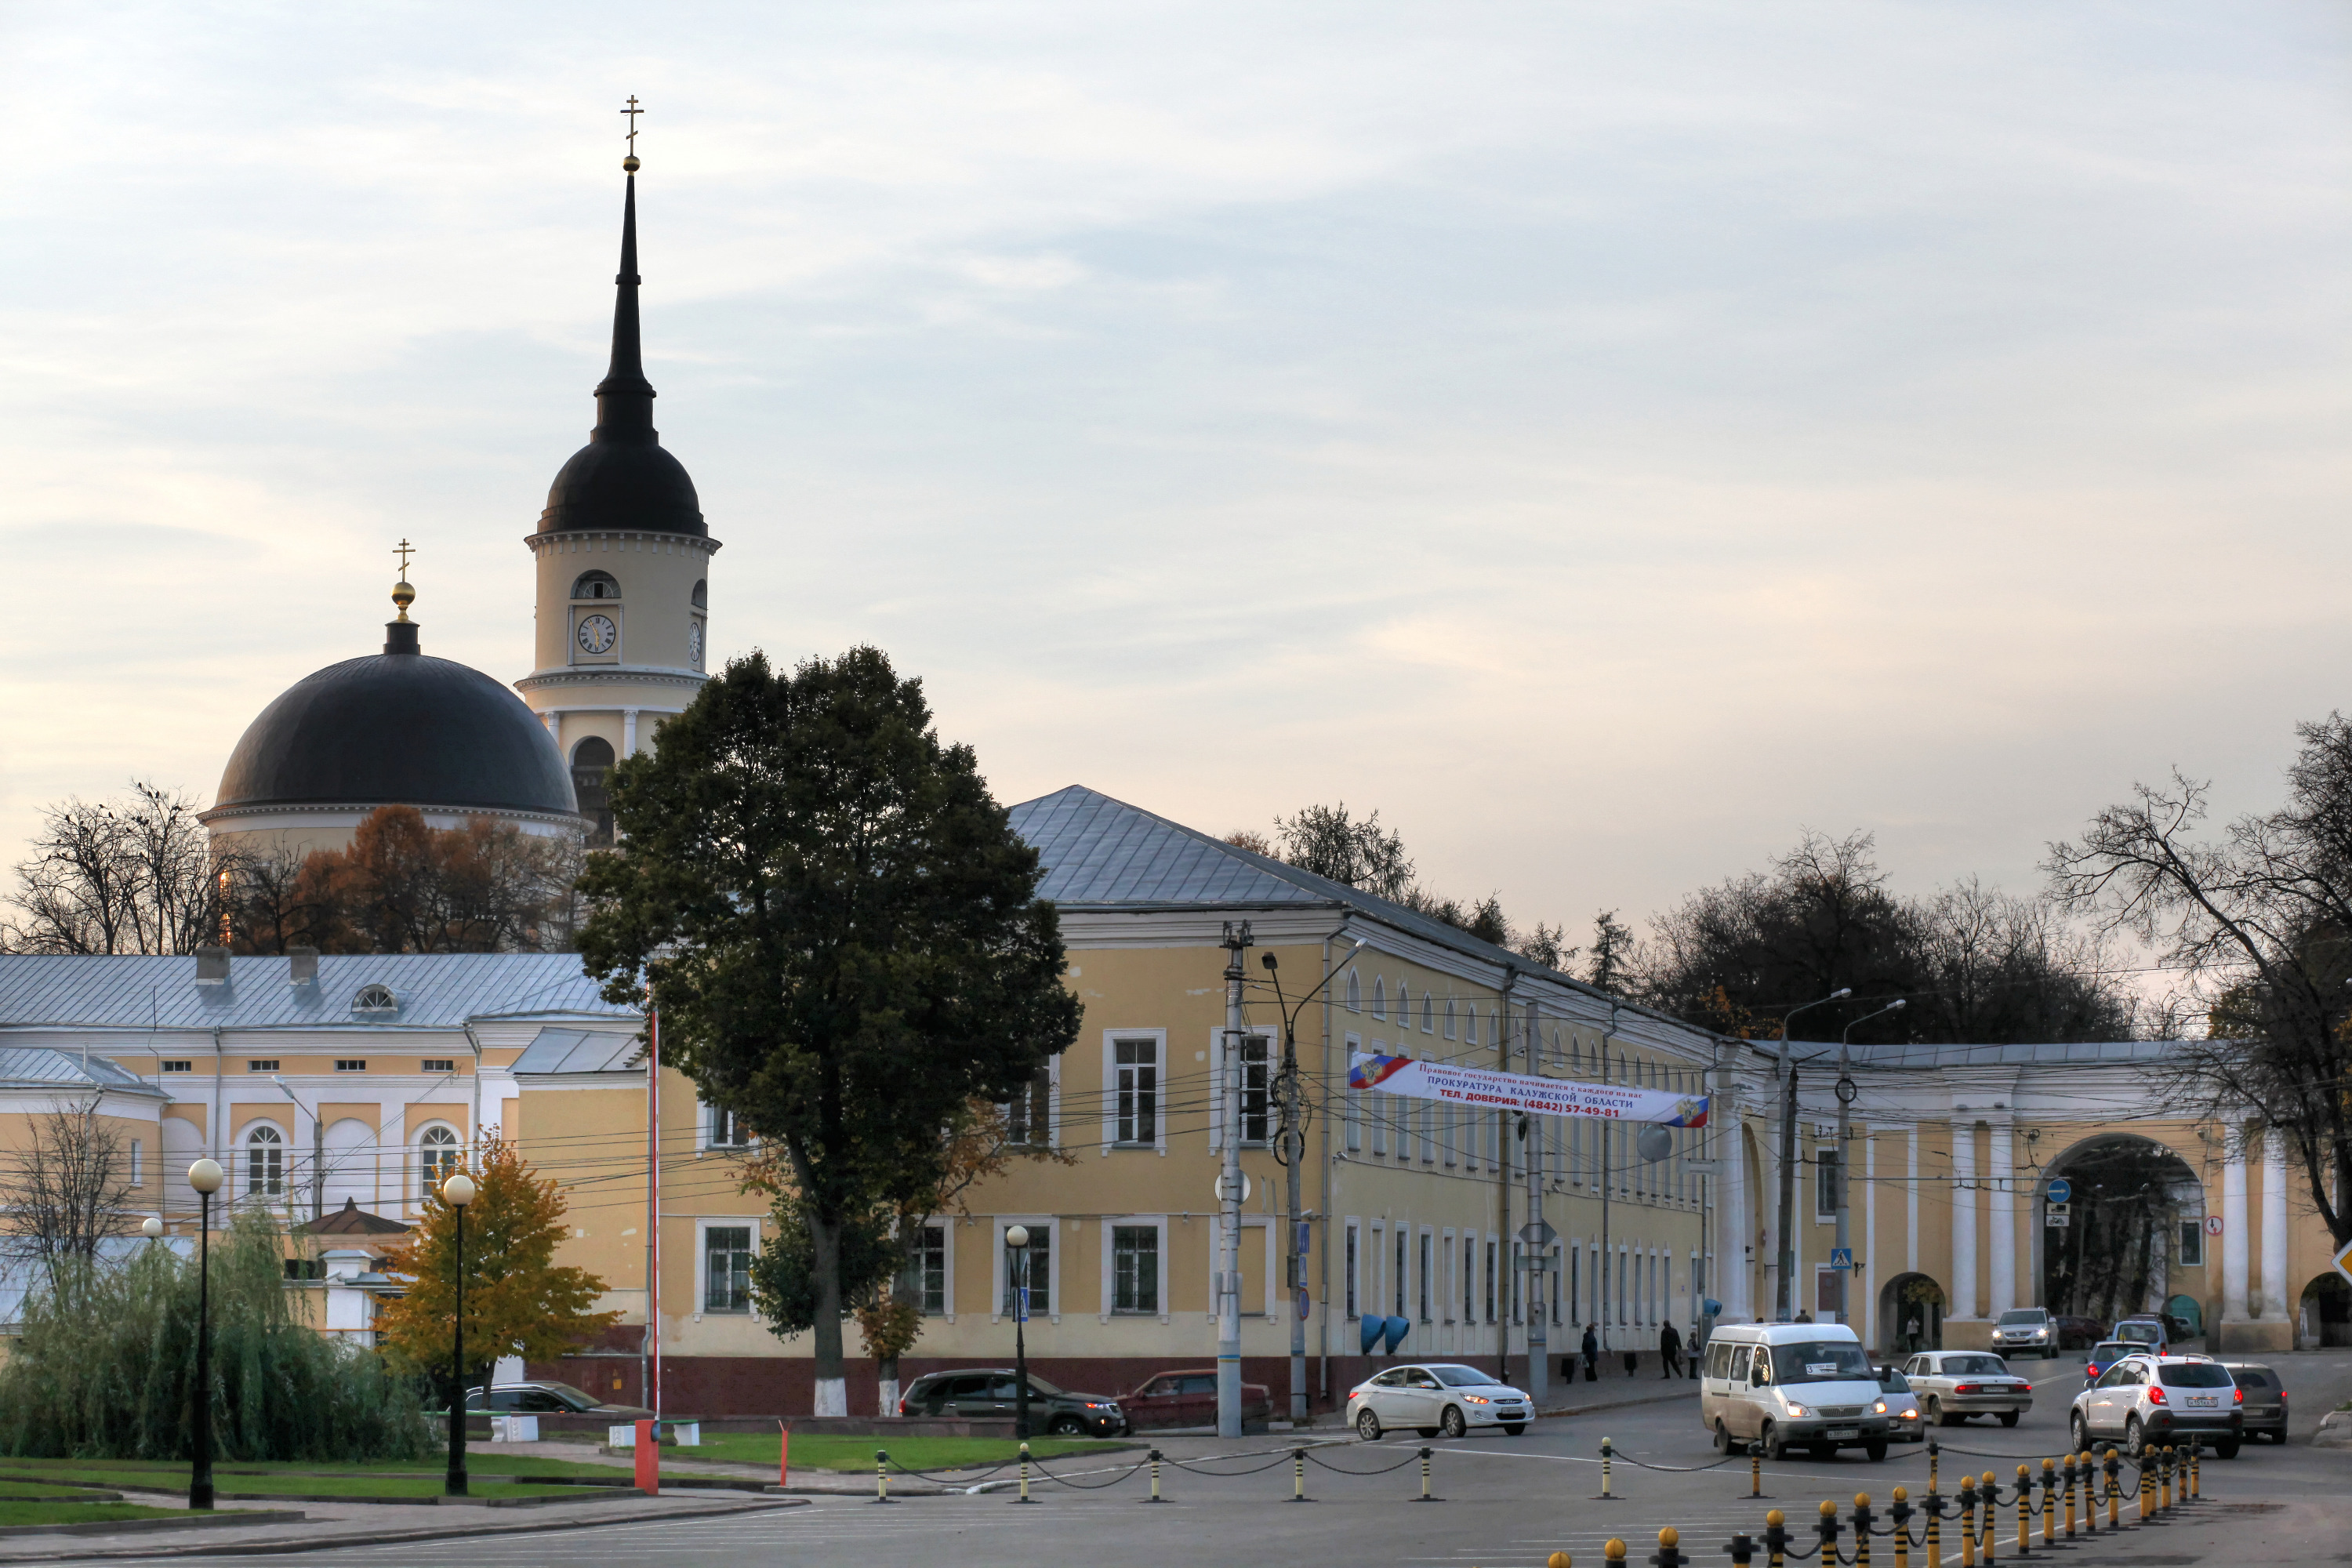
840,931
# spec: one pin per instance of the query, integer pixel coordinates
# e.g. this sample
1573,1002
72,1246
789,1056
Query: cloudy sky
1606,439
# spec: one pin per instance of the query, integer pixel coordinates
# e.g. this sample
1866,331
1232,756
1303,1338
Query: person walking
1591,1349
1911,1332
1670,1352
1697,1353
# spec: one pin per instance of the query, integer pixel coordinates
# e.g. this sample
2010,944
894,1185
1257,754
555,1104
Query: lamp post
1291,1100
1784,1307
1846,1092
458,1191
1016,1265
205,1176
150,1227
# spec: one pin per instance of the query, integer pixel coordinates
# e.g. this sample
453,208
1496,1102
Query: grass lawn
153,1472
247,1481
78,1512
811,1452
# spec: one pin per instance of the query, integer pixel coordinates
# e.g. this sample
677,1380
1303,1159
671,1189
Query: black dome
398,729
633,485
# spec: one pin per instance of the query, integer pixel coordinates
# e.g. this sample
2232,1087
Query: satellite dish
1654,1144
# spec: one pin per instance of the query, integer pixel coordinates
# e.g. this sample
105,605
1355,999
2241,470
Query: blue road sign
1842,1257
2061,1190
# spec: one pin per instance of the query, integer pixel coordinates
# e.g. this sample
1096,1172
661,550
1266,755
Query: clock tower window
595,585
592,759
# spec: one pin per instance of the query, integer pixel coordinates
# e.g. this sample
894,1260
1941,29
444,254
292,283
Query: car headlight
1795,1408
1910,1415
1879,1408
1476,1399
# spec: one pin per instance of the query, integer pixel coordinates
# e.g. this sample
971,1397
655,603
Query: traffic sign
1842,1257
2061,1190
1221,1188
2212,1225
1536,1233
2344,1260
1302,1303
2059,1222
2055,1214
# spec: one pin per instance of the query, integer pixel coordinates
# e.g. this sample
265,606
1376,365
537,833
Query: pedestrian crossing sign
2344,1260
1842,1257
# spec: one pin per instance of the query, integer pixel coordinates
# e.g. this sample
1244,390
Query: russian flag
1370,1071
1691,1113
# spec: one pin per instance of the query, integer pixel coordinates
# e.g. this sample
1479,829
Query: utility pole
1538,1338
1783,1293
1290,1104
1605,1131
1847,1093
1229,1192
1505,1281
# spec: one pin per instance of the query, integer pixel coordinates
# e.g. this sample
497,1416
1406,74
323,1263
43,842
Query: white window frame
1470,1024
1057,1246
1110,1091
1449,1017
947,1228
1217,1086
1351,1270
1375,1298
1428,1013
1379,996
1053,1070
708,1115
244,1146
1355,998
703,1226
416,1152
1376,1112
1157,1222
1451,1269
1352,1104
1428,1294
137,1165
1267,1270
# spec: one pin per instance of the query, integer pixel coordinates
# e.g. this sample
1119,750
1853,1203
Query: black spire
623,479
624,398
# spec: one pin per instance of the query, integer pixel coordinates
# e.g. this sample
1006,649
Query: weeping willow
108,1360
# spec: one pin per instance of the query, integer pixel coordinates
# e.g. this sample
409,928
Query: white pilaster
1964,1218
1734,1235
2003,1201
2274,1279
628,732
1869,1241
1911,1202
2233,1234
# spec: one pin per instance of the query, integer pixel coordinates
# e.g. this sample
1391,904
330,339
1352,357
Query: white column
628,732
2234,1233
2275,1281
1869,1281
554,722
1963,1283
1911,1202
2003,1202
1734,1235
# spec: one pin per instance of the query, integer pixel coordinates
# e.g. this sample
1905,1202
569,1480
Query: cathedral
623,562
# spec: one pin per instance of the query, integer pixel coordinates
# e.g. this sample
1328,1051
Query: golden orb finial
629,163
403,595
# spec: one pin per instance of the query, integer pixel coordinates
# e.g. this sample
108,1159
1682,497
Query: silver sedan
1953,1385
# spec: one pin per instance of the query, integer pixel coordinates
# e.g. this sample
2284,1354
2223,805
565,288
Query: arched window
592,759
1355,993
595,585
1470,1026
1428,1014
265,1163
437,1157
1403,1007
375,999
702,595
1379,996
1449,1017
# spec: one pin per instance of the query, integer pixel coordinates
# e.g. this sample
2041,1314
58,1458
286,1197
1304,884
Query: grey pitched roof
578,1050
434,991
1104,854
35,1067
2055,1053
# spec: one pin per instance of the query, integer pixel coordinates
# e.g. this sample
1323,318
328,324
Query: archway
1906,1300
2133,1209
592,759
2325,1319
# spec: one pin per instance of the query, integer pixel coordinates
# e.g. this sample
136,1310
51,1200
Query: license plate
2203,1401
1837,1432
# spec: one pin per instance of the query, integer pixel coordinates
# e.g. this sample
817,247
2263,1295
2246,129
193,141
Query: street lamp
458,1191
205,1176
1292,1101
1016,1265
150,1227
1846,1092
1783,1308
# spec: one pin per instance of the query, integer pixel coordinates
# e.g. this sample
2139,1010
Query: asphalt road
1508,1503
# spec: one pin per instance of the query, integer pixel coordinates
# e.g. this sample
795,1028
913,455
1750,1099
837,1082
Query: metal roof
1916,1055
36,1066
578,1050
434,991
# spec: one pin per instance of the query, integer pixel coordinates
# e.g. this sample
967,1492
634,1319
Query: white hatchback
1433,1398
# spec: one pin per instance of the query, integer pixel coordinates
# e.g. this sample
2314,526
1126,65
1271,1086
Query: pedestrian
1804,1317
1911,1332
1670,1352
1591,1349
1697,1353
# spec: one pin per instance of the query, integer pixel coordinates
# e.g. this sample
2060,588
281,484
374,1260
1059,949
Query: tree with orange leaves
519,1301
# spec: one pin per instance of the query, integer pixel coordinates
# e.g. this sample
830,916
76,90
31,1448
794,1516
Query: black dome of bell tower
623,479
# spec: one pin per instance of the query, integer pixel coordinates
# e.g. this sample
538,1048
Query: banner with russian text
1518,1092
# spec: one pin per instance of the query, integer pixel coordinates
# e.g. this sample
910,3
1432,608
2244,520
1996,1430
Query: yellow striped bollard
2049,1504
1155,1496
1298,1475
1989,1547
2073,1481
1776,1538
1607,1457
1669,1553
1900,1511
2025,1511
881,1476
1967,1522
1559,1560
2196,1476
1425,1495
1614,1552
1024,1496
1862,1529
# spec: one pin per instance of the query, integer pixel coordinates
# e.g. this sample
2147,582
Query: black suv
989,1393
550,1399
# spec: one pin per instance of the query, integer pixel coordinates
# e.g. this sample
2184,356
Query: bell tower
623,569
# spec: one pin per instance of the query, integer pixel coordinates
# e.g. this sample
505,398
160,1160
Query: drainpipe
1505,1275
1323,1330
211,1123
474,1138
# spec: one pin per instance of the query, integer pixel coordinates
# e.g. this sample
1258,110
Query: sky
1607,439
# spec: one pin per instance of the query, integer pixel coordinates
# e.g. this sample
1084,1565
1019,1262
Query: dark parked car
2265,1397
550,1399
992,1393
2080,1333
1189,1398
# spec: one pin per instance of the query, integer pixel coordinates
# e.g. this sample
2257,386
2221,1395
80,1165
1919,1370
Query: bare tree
71,1190
2259,921
131,875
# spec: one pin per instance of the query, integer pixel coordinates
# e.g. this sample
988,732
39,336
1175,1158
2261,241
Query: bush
107,1359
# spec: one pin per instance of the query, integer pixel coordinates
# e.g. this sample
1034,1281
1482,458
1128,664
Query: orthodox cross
632,111
403,550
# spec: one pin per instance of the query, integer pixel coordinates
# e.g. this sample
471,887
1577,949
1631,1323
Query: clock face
597,634
694,643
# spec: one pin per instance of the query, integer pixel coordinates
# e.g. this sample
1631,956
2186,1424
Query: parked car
1953,1385
2026,1331
550,1399
1900,1405
1189,1398
992,1393
2080,1333
2105,1354
1441,1397
2161,1399
2265,1399
2149,1333
1790,1385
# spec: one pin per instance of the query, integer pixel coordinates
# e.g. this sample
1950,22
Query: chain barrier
1321,1463
1279,1459
1131,1472
963,1473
